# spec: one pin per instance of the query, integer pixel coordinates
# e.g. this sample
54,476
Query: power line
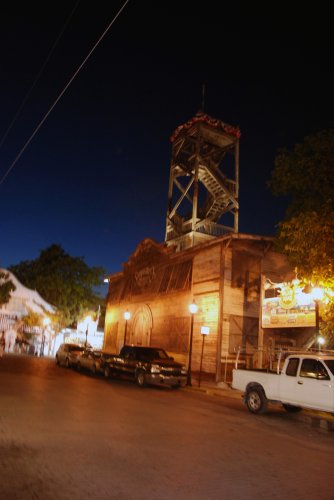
25,99
62,93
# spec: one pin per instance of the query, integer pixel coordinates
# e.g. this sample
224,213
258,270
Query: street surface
68,435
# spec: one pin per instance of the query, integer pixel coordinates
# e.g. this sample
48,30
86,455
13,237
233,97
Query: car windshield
75,348
152,354
330,364
160,354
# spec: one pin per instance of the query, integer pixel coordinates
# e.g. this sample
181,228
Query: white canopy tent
23,300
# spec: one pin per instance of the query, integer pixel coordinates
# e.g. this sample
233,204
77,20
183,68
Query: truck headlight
183,370
155,369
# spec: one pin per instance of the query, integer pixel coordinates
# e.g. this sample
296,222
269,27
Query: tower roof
213,122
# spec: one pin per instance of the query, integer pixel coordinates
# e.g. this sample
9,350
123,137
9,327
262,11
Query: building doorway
141,326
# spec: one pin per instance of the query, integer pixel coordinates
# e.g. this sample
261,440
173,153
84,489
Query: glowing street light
321,341
193,308
317,295
127,316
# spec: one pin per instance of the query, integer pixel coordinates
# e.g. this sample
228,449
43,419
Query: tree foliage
306,236
6,288
306,174
32,319
62,280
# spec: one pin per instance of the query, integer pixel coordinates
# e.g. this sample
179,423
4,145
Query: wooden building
203,259
223,276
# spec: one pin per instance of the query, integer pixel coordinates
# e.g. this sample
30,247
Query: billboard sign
289,307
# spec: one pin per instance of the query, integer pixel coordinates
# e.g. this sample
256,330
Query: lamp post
193,308
321,342
88,319
46,321
127,316
317,295
205,330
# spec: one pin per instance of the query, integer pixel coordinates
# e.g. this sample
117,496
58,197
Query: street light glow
193,308
317,293
127,315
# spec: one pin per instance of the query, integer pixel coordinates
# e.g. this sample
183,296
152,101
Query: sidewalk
316,419
221,389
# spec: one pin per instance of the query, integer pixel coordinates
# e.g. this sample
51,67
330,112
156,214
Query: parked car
145,365
67,354
90,360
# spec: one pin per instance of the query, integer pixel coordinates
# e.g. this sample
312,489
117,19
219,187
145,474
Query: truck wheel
291,408
141,379
256,400
106,372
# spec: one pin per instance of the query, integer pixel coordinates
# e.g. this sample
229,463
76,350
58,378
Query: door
141,326
314,388
288,382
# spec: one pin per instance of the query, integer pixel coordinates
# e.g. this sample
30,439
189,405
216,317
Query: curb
317,420
212,391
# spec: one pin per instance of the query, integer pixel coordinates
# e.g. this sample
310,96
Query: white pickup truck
305,381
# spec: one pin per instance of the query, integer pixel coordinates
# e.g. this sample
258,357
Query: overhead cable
25,99
62,93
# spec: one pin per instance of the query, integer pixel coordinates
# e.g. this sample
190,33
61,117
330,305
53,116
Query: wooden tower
203,182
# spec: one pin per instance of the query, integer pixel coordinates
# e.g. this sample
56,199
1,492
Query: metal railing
272,358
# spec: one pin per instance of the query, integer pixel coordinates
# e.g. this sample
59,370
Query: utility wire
18,112
62,93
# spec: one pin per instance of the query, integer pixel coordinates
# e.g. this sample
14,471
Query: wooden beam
178,203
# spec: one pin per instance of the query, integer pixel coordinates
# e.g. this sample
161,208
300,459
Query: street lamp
127,316
317,295
46,322
205,330
321,342
88,319
193,308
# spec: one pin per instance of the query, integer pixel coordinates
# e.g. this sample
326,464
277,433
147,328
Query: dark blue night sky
95,177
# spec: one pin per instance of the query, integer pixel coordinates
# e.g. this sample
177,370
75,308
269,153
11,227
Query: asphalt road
68,435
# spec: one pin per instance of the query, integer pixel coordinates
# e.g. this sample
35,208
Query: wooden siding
206,265
224,282
207,315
